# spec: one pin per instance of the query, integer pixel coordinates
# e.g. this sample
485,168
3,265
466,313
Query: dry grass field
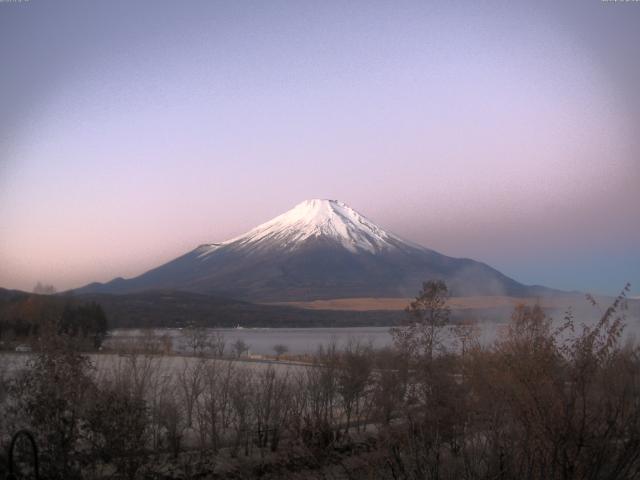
478,302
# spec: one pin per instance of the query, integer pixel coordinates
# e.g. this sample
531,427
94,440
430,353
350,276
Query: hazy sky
505,131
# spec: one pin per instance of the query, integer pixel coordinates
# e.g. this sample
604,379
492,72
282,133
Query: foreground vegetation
539,403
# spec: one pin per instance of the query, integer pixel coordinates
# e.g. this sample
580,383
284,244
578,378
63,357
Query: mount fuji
320,249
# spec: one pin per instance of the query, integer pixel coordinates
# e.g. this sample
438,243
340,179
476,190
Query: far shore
459,303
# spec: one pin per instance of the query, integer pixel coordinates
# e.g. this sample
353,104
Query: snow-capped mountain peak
330,219
320,249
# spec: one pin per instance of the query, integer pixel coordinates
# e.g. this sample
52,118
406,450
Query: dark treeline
542,402
26,318
175,309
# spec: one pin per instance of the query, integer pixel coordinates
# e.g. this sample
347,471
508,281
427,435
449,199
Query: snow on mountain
315,218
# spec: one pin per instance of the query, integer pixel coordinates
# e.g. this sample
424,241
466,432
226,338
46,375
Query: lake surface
261,341
307,340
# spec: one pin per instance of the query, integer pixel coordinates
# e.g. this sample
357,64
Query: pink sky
131,135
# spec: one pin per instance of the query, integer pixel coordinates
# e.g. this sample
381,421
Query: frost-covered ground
106,363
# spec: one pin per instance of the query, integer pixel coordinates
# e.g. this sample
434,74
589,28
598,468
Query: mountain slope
319,249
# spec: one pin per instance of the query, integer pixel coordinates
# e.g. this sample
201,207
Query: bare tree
117,426
427,314
280,350
241,411
354,375
197,339
466,334
388,390
190,381
171,418
321,390
214,404
270,407
49,397
240,348
217,344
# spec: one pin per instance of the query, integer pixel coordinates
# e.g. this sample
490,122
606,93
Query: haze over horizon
132,132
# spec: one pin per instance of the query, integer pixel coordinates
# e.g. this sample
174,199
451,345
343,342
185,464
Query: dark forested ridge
178,309
25,317
172,309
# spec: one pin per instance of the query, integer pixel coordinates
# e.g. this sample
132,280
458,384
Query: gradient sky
504,131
